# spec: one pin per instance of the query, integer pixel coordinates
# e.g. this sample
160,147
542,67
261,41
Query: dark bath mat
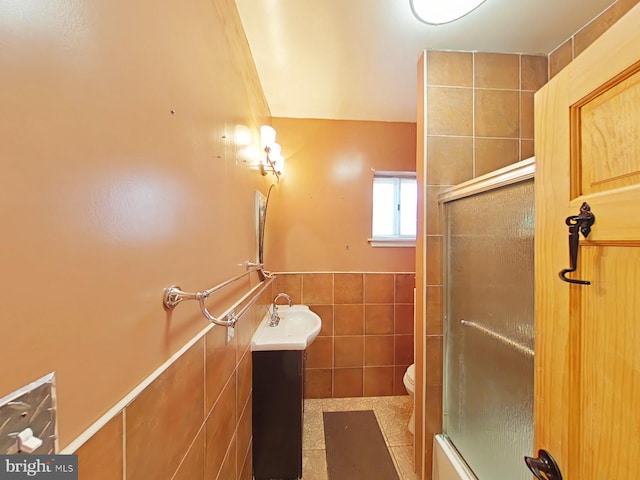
356,448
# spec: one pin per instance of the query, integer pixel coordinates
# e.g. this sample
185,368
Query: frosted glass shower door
488,377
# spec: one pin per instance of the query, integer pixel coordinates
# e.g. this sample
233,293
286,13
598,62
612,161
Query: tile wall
577,43
479,117
192,421
366,342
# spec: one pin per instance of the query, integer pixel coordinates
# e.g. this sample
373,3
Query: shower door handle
544,464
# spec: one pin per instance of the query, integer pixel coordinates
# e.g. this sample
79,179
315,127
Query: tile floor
392,414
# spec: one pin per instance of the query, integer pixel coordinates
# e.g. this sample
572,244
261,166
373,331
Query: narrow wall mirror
261,215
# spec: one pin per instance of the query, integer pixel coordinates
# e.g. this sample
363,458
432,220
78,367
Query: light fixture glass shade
267,135
436,12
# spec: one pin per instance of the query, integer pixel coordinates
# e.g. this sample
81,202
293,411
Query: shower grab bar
507,341
173,295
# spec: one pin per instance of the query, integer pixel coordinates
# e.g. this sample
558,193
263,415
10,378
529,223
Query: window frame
394,240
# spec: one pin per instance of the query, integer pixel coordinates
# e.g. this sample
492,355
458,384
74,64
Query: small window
395,200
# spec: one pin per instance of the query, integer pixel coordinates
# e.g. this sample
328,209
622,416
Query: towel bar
173,295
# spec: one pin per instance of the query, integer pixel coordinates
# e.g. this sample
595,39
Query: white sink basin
298,327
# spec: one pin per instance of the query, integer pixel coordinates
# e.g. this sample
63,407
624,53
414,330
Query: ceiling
357,59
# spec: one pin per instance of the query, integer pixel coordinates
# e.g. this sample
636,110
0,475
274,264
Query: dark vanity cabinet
277,414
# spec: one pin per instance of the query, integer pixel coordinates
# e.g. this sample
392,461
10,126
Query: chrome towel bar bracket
173,295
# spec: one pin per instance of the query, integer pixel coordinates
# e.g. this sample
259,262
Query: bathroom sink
298,327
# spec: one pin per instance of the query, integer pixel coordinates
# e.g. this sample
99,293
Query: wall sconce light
274,161
437,12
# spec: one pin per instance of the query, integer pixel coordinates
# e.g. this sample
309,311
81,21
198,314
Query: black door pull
544,464
577,224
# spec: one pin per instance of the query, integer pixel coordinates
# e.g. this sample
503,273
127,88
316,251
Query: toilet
409,381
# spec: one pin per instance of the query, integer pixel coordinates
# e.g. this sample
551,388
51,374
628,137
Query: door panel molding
576,411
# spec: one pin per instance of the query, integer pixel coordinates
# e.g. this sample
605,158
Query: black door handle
577,224
544,464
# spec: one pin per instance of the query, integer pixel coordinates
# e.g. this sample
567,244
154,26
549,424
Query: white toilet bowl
409,381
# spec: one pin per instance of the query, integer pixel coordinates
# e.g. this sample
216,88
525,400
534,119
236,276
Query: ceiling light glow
437,12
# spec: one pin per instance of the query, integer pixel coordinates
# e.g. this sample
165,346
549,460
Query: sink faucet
275,318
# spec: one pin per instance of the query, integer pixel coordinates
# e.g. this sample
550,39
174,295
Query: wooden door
587,368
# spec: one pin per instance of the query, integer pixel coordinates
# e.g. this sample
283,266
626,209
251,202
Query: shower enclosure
488,353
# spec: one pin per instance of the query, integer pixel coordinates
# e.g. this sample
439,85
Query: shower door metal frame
510,175
515,173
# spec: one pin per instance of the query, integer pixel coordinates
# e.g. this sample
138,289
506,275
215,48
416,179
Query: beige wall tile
403,349
244,430
450,69
497,70
317,288
245,466
405,283
221,362
434,260
450,160
433,400
494,153
378,381
192,466
320,353
100,458
534,72
449,111
318,383
348,288
526,115
228,470
378,319
497,113
244,378
246,327
325,312
560,57
526,149
220,428
379,288
152,419
348,319
289,283
626,5
348,382
353,321
433,420
403,319
434,310
348,351
587,35
433,355
379,350
434,222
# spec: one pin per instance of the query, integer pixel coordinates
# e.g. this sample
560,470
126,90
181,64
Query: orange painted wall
121,146
319,215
